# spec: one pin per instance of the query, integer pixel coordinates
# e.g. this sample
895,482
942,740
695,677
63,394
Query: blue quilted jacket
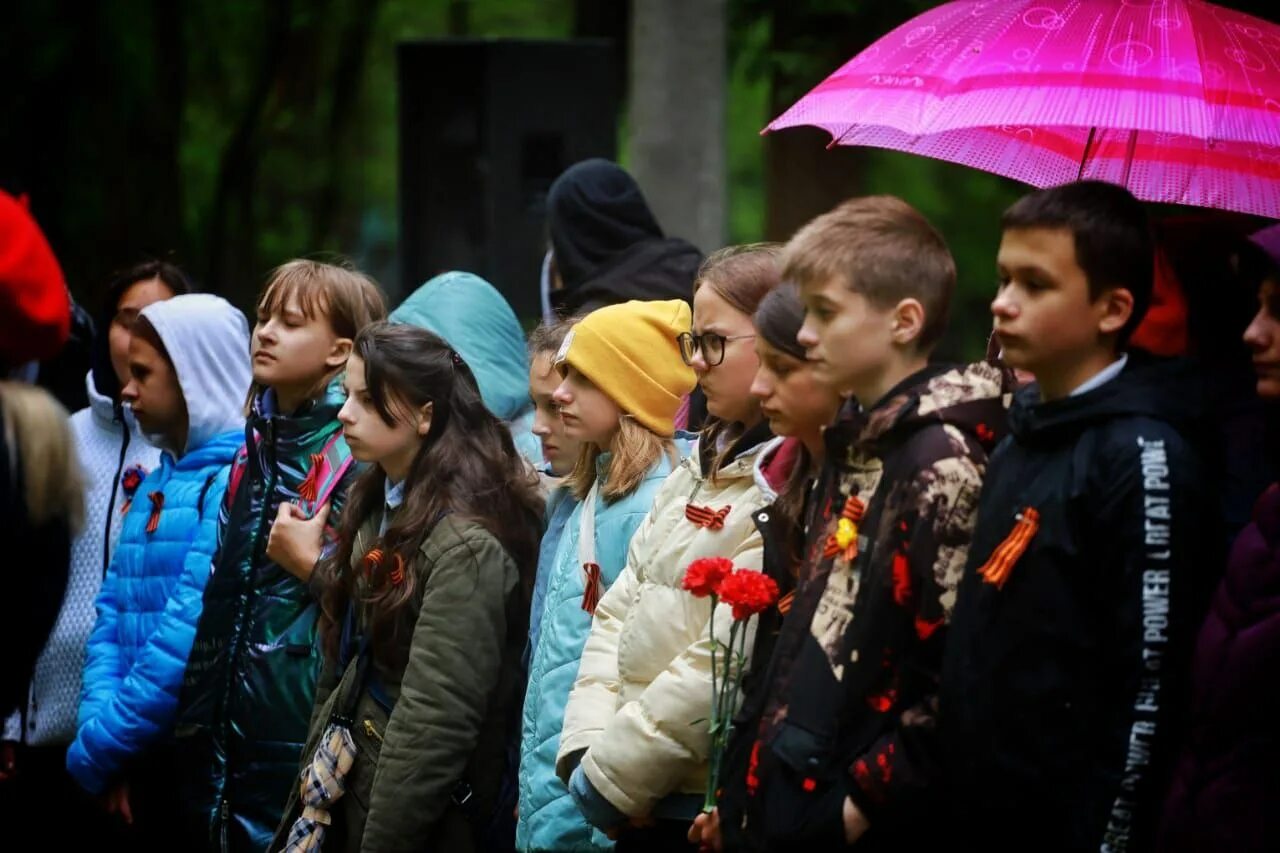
151,598
548,819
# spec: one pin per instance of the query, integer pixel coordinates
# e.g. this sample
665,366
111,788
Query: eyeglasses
711,345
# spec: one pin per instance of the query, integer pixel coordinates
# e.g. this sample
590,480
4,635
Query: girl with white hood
188,375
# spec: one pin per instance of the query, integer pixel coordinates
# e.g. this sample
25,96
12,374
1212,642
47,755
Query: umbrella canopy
1177,99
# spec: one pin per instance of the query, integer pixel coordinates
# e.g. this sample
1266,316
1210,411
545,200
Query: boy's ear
906,321
339,353
424,418
1115,307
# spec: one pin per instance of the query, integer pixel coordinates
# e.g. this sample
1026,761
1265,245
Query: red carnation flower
703,577
748,593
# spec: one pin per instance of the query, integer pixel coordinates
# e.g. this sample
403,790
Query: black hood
969,397
63,375
1164,389
595,211
652,270
607,244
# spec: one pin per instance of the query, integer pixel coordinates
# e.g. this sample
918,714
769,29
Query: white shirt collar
1102,377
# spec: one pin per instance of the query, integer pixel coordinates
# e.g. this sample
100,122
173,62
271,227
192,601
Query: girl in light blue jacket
623,380
189,373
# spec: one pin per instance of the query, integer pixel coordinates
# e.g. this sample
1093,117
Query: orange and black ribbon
372,560
1000,564
705,516
309,488
157,504
851,514
592,587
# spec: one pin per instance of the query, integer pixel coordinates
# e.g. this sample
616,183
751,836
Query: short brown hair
349,298
883,248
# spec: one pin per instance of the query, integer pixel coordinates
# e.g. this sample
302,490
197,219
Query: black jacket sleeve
1150,525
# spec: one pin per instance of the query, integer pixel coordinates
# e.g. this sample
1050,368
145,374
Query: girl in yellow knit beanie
632,755
622,381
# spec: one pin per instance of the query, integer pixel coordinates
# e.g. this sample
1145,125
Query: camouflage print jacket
852,683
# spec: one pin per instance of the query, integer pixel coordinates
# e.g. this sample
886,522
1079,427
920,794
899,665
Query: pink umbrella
1177,99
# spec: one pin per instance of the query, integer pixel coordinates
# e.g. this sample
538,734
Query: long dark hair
466,467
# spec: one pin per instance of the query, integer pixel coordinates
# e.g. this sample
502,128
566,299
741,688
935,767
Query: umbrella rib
1084,155
1128,157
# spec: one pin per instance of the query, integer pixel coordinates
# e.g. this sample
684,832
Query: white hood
208,341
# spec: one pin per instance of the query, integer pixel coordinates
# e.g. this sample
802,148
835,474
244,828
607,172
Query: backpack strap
238,466
204,493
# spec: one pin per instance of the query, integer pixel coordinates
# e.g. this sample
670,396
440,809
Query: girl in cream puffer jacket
630,747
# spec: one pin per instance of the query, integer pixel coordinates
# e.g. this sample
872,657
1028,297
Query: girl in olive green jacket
425,602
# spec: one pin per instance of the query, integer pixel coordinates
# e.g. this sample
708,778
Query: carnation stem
709,800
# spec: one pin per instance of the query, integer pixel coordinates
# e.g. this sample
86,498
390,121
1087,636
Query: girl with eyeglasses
635,763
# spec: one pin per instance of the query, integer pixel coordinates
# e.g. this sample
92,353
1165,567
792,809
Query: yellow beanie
629,352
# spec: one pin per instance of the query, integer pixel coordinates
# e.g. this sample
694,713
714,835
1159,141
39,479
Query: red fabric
781,462
35,308
1164,330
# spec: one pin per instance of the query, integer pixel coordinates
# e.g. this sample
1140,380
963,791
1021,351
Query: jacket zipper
697,486
247,608
371,731
111,503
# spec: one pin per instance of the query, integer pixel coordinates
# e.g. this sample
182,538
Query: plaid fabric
322,785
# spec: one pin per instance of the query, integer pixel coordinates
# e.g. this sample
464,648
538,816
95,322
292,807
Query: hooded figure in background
607,248
606,245
474,318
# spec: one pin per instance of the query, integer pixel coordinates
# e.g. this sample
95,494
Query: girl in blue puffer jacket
188,374
623,380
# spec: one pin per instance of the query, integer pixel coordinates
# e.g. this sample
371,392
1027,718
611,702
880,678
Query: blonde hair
635,450
38,435
883,248
348,298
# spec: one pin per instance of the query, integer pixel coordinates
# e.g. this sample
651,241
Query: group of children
345,611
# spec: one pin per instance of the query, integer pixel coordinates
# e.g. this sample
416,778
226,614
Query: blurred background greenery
232,135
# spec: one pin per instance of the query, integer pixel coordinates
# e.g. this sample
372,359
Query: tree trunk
230,256
677,116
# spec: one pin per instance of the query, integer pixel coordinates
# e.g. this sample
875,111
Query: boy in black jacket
1069,637
827,749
